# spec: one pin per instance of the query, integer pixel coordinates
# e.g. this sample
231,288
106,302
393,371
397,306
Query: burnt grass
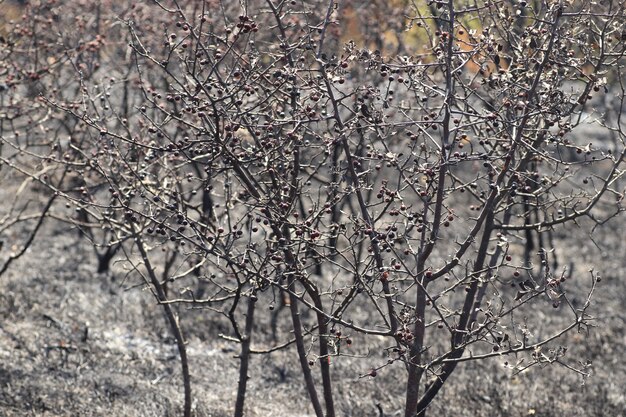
77,343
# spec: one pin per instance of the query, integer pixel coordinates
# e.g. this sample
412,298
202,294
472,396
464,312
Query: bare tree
273,159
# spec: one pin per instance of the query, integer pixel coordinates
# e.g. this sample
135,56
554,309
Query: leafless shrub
408,202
